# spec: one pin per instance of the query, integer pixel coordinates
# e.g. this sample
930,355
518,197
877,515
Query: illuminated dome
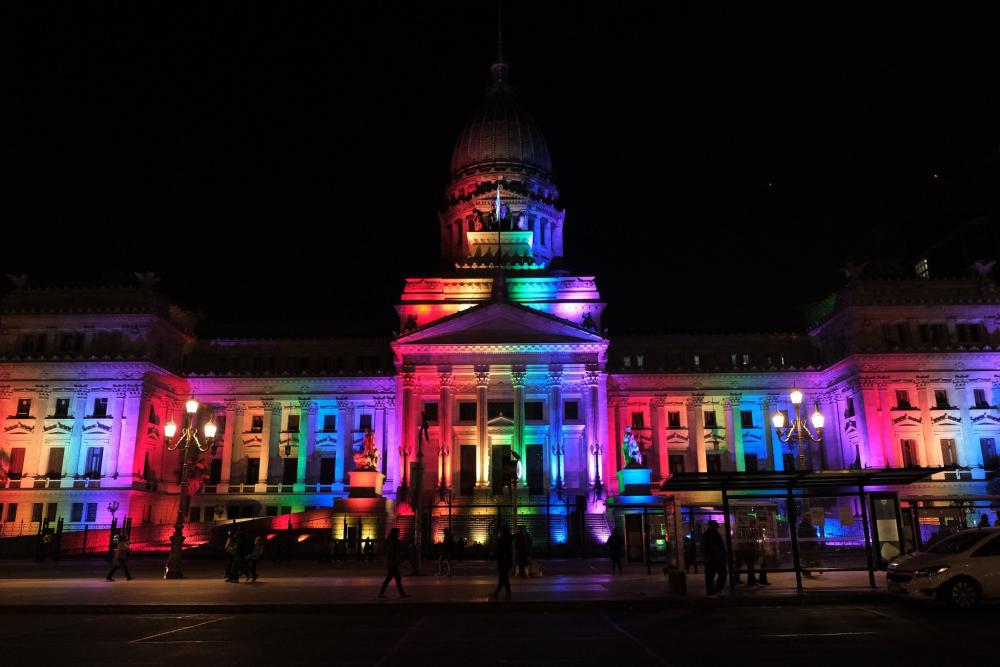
501,135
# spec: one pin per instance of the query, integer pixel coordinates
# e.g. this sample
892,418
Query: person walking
504,554
230,549
253,558
522,549
447,552
714,549
745,551
392,551
120,560
616,547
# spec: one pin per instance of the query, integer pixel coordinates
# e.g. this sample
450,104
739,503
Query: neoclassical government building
503,355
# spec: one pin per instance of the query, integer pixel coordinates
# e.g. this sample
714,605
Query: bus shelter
876,508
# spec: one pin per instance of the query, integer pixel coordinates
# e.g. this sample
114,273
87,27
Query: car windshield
956,544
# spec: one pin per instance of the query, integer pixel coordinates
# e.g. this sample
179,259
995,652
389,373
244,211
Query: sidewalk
80,586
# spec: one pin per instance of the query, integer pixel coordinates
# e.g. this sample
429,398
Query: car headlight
931,571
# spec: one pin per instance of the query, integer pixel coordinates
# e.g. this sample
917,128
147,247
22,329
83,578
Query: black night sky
280,165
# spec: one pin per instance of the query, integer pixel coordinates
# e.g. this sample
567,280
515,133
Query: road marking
823,634
650,652
186,627
395,647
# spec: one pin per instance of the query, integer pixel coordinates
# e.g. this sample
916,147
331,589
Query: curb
396,606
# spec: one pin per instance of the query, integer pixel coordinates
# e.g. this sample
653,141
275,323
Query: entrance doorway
467,470
633,538
499,455
535,472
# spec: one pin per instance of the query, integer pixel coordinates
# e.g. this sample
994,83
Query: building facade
503,358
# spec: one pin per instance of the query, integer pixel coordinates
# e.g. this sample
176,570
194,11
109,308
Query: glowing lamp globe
169,429
210,429
778,420
796,396
191,406
818,420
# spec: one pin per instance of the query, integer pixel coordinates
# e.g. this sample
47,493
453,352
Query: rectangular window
714,462
696,360
327,470
638,420
215,472
16,465
36,512
497,408
746,359
941,399
23,407
676,463
330,422
11,512
746,418
534,411
194,515
51,511
431,412
290,472
903,400
673,420
152,416
979,397
257,424
100,407
849,410
95,456
365,423
640,360
467,411
571,411
62,408
949,454
91,512
710,419
909,449
750,462
923,269
989,447
76,513
55,462
293,424
253,471
789,461
627,361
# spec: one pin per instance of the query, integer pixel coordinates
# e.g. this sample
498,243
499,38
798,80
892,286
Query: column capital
517,375
555,376
695,400
80,390
658,401
591,378
44,391
922,381
385,402
736,398
482,372
960,381
409,377
6,392
446,380
308,406
275,407
618,401
344,403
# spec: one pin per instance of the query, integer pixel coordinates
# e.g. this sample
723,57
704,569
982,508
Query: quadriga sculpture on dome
367,458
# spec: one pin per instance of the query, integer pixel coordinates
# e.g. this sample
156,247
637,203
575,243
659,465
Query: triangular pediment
500,323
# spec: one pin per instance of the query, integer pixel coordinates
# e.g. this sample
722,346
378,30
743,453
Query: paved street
396,635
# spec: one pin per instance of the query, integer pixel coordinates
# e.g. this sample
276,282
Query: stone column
34,456
659,456
696,430
482,437
446,443
834,425
110,463
996,392
736,438
926,450
345,436
237,458
969,452
553,458
132,453
517,378
890,447
869,424
592,382
619,405
307,441
265,440
71,462
772,445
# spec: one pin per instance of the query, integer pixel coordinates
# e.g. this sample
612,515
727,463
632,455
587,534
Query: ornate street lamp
559,478
799,429
187,442
596,450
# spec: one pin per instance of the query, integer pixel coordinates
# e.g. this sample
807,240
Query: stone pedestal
364,513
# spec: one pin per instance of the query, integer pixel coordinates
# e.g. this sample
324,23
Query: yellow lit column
696,430
445,423
32,458
482,443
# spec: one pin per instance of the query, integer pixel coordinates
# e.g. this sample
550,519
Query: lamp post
799,428
403,491
559,478
596,450
186,442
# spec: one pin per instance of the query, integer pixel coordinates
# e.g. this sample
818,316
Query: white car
961,569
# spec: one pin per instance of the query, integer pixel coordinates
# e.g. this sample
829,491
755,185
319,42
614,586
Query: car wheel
962,593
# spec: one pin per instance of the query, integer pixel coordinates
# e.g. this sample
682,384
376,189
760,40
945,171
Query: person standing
392,551
616,547
231,571
120,560
253,558
745,550
715,559
504,554
447,552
